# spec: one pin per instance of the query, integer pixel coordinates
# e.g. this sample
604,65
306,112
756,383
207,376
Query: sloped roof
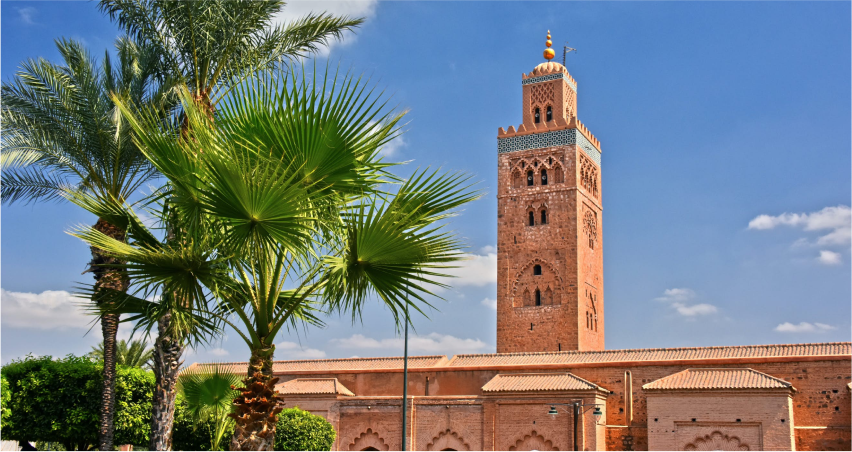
313,386
331,365
538,382
649,355
654,354
718,379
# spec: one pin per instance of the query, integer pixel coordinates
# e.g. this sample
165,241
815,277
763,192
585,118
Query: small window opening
537,115
693,419
535,163
543,176
782,421
543,217
837,408
560,346
532,219
739,420
529,178
531,326
516,239
621,410
550,160
537,297
549,114
834,391
655,420
537,270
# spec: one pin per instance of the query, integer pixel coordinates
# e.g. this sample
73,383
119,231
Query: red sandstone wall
821,404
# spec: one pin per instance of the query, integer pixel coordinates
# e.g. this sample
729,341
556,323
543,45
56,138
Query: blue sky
725,131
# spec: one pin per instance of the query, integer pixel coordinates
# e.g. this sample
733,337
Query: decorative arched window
543,176
587,320
537,270
543,217
537,297
548,296
537,115
517,180
549,114
527,300
530,179
596,322
558,174
532,219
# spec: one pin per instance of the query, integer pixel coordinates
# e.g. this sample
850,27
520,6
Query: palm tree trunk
108,277
258,405
168,350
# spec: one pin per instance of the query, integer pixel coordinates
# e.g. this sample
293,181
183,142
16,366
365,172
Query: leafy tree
132,354
301,430
57,401
286,184
5,398
209,46
208,395
61,134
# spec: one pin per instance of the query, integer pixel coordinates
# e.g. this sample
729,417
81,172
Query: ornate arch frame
367,439
716,441
527,442
447,439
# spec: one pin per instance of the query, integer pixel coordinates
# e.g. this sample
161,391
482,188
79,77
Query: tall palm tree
134,353
210,46
286,184
62,134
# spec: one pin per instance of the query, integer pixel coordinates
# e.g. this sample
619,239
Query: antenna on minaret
565,51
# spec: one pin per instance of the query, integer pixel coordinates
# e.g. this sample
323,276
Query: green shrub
58,401
5,398
301,430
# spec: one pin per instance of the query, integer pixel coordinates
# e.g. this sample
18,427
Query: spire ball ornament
548,52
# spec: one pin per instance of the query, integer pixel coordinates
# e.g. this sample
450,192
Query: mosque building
552,385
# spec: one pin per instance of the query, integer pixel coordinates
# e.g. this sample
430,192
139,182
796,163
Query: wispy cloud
829,258
475,270
298,9
490,302
51,309
292,350
433,343
804,327
837,220
27,15
218,352
678,299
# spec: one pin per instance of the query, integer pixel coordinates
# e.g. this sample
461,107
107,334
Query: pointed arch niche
447,440
533,441
369,440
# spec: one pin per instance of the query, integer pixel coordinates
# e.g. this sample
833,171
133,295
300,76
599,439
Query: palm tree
135,353
62,134
210,46
209,395
286,184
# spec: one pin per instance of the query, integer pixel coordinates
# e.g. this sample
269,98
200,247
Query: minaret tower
550,247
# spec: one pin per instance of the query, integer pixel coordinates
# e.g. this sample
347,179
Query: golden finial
548,52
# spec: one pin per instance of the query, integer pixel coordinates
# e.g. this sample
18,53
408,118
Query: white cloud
353,8
393,146
434,343
292,350
51,309
475,270
803,327
676,294
694,310
837,219
27,15
488,249
677,299
829,257
490,303
218,352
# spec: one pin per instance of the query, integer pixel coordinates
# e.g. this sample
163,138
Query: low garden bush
300,430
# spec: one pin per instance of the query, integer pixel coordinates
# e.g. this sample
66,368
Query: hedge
300,430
